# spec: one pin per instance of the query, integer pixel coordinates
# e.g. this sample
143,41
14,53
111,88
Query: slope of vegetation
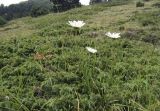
44,64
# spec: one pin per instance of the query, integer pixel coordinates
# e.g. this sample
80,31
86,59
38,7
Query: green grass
44,66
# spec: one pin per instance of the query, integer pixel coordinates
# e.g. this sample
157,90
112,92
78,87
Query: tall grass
52,70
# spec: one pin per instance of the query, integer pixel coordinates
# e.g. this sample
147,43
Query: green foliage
25,9
2,21
63,5
151,22
38,11
55,83
52,71
139,4
156,5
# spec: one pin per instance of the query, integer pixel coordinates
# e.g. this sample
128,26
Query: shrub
38,11
139,4
156,5
153,39
148,22
121,28
2,21
63,5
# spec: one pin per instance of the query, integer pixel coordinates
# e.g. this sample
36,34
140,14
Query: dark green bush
148,22
156,5
38,11
139,4
63,5
146,0
2,21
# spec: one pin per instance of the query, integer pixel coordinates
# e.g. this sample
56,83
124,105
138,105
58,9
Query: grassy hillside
44,64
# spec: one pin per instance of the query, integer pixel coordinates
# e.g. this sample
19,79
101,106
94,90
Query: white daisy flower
77,24
113,35
91,50
85,2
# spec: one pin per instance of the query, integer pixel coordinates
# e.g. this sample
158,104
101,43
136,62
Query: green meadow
44,64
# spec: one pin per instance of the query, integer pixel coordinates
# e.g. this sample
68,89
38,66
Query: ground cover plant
46,66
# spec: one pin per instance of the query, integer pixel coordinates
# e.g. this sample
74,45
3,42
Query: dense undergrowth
52,71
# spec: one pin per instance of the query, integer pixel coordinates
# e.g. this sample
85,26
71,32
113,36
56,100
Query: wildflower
85,2
113,35
91,50
77,24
